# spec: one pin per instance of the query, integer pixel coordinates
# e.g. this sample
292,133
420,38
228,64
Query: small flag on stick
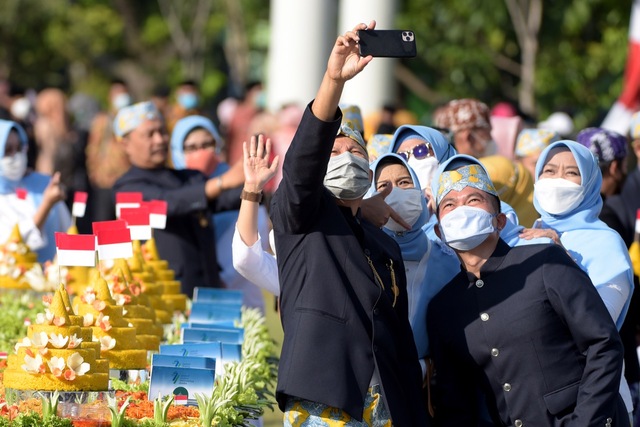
127,200
79,207
76,249
114,244
137,220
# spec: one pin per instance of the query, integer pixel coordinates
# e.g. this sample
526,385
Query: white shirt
255,264
17,211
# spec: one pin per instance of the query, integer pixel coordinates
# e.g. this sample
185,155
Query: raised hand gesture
257,170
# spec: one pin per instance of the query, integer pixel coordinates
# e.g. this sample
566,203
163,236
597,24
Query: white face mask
121,100
20,108
14,167
558,196
425,169
347,176
466,227
407,203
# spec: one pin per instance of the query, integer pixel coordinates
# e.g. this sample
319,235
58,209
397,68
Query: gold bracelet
252,197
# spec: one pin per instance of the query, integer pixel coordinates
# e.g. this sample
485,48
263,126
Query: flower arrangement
240,395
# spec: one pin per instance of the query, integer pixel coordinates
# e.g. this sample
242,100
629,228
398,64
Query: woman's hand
534,233
257,170
55,191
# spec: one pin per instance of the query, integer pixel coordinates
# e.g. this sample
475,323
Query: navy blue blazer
534,335
187,242
338,322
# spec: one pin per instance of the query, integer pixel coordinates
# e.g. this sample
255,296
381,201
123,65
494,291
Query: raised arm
344,64
258,173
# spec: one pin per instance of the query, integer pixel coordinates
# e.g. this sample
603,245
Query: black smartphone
387,43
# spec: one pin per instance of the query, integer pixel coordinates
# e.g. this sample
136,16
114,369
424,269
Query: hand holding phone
387,43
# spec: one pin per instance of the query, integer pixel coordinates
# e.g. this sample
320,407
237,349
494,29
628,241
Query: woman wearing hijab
39,213
567,196
428,265
196,144
514,185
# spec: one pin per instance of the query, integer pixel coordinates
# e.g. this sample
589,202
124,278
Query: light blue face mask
188,100
466,227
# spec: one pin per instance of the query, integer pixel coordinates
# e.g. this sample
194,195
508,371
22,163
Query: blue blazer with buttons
534,335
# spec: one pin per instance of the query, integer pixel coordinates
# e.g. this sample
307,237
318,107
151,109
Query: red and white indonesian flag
21,193
137,220
108,225
619,117
127,200
76,249
638,221
114,244
79,207
157,213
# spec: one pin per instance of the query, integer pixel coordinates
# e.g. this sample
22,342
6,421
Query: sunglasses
205,145
420,151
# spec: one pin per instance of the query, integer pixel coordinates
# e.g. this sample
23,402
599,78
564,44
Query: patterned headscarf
533,141
463,114
634,128
129,118
379,145
347,130
352,115
606,145
459,172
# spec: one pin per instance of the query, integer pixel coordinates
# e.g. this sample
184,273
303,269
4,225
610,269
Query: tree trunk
526,16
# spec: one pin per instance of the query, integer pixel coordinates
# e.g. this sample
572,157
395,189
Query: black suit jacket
187,242
534,335
339,324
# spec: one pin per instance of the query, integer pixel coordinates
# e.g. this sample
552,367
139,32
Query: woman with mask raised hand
567,197
40,212
196,144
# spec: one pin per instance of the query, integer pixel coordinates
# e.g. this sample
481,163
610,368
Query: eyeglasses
205,145
420,151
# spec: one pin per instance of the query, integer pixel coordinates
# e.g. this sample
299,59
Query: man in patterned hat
469,121
520,334
610,148
187,242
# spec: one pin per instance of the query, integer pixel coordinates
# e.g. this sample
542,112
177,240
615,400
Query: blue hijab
442,263
182,128
599,250
441,147
8,186
35,184
413,243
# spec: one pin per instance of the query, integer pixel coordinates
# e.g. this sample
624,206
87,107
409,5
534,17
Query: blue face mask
188,101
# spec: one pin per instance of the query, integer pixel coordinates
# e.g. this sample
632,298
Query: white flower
26,342
89,297
76,363
88,320
40,340
58,341
45,318
12,246
56,365
33,365
74,341
107,343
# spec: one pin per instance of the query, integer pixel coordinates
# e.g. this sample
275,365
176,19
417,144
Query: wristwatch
252,197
